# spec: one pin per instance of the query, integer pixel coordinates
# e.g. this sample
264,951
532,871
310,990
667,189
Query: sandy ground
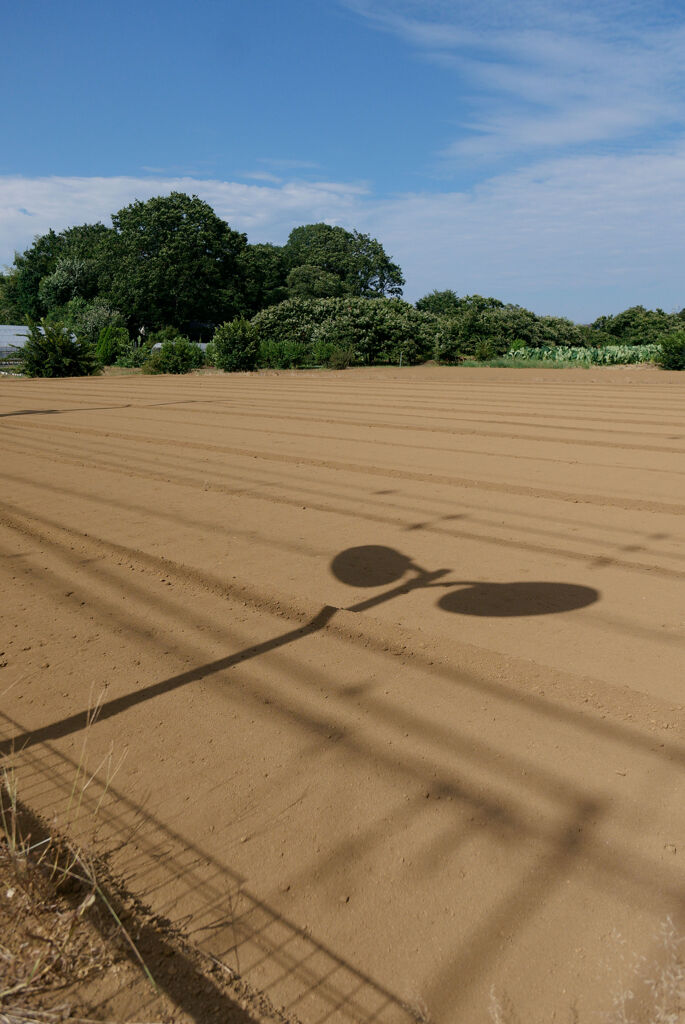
392,665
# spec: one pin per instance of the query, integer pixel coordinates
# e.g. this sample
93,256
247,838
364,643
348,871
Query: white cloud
267,176
575,236
30,206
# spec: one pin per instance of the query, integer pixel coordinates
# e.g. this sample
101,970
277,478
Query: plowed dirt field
389,665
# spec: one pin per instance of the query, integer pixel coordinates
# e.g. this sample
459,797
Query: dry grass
59,925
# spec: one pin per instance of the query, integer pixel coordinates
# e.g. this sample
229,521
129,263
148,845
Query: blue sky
533,151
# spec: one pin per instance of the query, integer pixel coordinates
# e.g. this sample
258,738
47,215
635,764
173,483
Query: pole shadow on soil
369,566
373,567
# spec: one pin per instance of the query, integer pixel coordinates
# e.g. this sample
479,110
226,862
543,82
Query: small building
12,337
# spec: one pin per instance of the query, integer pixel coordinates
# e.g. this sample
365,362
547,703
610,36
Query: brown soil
392,672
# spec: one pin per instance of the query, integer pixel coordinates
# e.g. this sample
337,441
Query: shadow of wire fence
194,891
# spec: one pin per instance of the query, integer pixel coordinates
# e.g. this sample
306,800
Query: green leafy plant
606,355
51,350
235,346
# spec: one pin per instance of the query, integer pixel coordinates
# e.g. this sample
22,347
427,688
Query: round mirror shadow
512,599
370,565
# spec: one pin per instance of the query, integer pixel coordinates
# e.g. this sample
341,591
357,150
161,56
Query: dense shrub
672,351
293,320
308,331
284,354
333,345
235,346
177,355
112,342
487,348
51,350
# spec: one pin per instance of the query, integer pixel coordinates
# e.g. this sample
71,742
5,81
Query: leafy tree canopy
636,325
448,303
263,271
358,261
309,282
57,268
175,261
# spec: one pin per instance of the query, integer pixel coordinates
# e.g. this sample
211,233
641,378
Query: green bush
284,354
293,320
235,346
177,355
672,351
134,355
307,331
486,348
51,350
112,342
341,357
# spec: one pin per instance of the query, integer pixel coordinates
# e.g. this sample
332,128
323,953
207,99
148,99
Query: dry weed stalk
56,861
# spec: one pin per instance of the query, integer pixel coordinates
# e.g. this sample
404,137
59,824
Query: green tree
308,282
30,267
51,350
448,303
557,330
112,342
263,270
636,326
440,303
672,353
357,260
59,267
11,311
86,318
175,261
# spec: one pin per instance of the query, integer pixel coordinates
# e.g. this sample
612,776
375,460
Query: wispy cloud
547,77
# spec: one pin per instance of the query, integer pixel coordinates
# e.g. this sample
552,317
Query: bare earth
375,782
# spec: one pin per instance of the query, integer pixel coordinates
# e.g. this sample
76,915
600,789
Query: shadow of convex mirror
374,565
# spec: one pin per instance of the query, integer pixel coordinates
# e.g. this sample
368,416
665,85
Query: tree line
171,270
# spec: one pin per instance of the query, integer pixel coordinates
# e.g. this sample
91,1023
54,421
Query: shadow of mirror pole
366,566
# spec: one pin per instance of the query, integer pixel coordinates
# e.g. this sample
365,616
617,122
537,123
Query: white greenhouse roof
12,335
